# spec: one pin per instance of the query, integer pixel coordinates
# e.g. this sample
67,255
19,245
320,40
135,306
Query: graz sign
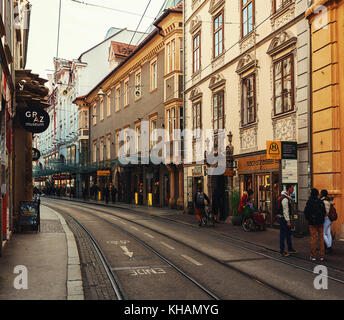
34,119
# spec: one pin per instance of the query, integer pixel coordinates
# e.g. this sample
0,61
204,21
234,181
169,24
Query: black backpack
316,212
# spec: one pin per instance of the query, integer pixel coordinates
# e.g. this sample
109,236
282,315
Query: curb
75,289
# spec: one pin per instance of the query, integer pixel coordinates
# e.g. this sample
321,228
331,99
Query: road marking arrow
127,252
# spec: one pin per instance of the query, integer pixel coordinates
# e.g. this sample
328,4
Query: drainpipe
310,104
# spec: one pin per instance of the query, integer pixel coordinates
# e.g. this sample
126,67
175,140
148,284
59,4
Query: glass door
263,193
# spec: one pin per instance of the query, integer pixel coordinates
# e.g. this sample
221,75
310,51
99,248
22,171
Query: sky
82,27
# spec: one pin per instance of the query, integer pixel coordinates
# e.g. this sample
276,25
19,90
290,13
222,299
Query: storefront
262,176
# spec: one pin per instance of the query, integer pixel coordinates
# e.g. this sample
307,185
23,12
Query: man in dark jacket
315,215
199,198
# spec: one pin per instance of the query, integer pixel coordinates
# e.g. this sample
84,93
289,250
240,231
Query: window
138,92
108,105
248,102
181,54
94,114
154,75
117,98
218,110
153,132
126,92
126,141
108,147
173,61
101,110
168,64
283,85
117,142
196,52
218,35
196,117
101,149
278,4
138,138
247,16
181,118
94,151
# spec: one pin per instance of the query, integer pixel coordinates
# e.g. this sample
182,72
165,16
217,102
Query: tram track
116,285
226,239
257,280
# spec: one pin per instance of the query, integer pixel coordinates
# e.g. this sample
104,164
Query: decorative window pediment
195,24
216,81
281,42
246,63
215,5
195,94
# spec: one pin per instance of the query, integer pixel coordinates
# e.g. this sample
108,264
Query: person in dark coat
106,193
315,215
113,193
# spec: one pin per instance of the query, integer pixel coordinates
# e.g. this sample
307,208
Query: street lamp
101,93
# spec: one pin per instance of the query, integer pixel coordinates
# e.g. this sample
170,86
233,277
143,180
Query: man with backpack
199,198
315,215
284,207
330,216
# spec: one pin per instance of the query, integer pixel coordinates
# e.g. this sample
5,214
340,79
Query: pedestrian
199,198
327,223
315,215
215,206
106,193
284,207
113,194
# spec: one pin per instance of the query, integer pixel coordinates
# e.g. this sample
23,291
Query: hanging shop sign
289,150
256,163
273,150
35,154
103,173
34,119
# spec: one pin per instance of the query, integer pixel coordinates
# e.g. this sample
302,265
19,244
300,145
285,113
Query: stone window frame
126,92
108,104
101,149
153,117
94,151
94,114
108,146
118,98
153,86
101,109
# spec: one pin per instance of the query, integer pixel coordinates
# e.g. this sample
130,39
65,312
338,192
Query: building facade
142,94
247,72
60,145
326,19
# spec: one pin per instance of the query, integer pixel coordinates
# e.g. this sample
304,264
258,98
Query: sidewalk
51,259
267,239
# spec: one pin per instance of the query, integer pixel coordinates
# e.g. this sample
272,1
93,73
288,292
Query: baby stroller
207,217
255,222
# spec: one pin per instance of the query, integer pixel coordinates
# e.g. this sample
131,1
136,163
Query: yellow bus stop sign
273,150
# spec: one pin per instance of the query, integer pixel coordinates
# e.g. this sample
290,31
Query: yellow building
326,18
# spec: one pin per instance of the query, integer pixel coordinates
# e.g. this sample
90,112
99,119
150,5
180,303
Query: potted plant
235,201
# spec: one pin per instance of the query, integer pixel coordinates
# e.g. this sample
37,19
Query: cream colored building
246,70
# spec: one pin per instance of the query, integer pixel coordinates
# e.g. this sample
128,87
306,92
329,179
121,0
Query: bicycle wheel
247,225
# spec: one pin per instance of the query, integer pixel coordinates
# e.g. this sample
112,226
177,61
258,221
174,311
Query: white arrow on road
127,252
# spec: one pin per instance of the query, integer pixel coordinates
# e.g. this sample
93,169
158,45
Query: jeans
327,233
285,232
317,231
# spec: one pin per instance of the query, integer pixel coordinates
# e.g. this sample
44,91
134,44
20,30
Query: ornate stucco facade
244,70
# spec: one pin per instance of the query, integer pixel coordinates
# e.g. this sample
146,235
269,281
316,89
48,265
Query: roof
156,31
121,49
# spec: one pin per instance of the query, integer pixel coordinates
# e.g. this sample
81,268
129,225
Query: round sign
34,119
35,154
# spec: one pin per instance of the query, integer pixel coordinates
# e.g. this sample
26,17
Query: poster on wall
289,171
